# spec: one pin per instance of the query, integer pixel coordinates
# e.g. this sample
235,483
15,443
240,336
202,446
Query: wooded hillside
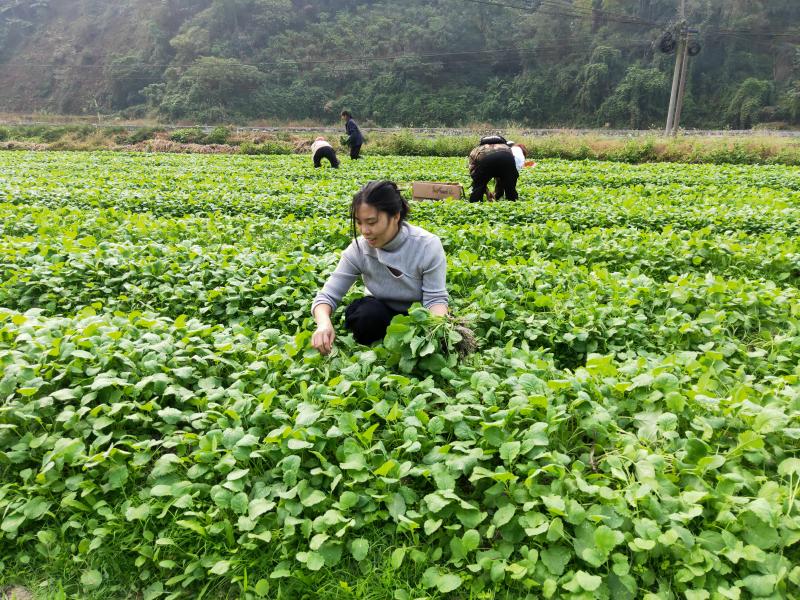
429,62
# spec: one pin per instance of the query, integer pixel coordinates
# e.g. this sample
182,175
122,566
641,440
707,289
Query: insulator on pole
667,44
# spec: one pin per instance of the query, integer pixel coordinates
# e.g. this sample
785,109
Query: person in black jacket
354,138
493,159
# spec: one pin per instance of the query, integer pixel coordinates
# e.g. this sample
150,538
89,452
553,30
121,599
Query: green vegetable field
629,426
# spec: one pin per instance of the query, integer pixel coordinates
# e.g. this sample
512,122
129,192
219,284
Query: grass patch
568,146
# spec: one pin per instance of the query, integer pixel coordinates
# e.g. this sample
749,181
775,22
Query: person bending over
399,264
493,159
322,149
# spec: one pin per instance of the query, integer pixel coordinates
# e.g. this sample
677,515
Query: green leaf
281,571
760,585
431,525
137,513
35,508
789,466
695,450
396,505
359,548
307,414
509,451
762,509
504,514
397,557
237,474
314,498
315,561
91,579
153,591
240,503
444,582
261,587
588,582
221,567
436,502
258,507
449,582
471,540
117,476
192,525
295,444
348,500
555,504
385,468
606,539
556,558
11,523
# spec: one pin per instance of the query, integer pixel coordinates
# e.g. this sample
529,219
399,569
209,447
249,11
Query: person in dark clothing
493,159
354,138
322,149
368,318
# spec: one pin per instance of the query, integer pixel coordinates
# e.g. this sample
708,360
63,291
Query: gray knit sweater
416,256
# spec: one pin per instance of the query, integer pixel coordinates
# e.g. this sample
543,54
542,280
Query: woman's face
377,227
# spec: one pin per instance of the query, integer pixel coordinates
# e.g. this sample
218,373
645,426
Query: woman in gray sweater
399,263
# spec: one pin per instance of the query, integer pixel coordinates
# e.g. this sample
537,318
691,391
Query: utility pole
679,74
682,88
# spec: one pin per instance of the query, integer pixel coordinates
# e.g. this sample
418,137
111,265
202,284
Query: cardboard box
432,190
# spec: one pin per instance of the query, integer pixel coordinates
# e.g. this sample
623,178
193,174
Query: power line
565,9
298,61
360,63
745,34
753,32
555,8
600,13
305,62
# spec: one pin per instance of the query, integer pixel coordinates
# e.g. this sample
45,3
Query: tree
214,87
596,78
751,97
792,99
638,100
127,76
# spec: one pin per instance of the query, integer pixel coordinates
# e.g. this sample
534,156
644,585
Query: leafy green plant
140,134
427,342
188,136
268,147
218,135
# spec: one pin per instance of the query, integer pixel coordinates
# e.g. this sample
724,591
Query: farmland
629,426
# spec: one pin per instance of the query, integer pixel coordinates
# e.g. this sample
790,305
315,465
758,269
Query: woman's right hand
323,338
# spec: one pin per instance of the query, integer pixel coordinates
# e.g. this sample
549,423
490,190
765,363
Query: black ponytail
383,196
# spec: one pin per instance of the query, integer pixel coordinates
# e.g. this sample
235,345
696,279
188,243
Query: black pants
368,319
325,152
500,165
355,151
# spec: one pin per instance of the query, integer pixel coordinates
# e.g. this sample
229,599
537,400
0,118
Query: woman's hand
323,337
439,310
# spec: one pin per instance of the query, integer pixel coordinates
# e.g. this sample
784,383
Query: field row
208,173
41,234
570,308
748,200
